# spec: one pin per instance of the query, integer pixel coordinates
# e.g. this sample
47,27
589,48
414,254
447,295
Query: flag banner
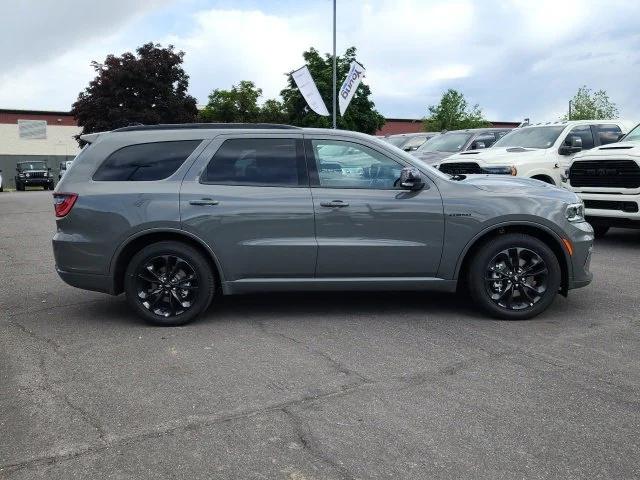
309,91
350,85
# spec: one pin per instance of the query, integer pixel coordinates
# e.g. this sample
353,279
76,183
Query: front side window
584,132
145,161
608,133
257,162
350,165
531,137
446,142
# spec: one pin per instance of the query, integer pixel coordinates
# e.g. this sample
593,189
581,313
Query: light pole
569,109
334,64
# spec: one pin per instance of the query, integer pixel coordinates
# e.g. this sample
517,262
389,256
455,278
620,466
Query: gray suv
173,215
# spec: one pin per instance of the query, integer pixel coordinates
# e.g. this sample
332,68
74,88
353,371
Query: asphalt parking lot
394,385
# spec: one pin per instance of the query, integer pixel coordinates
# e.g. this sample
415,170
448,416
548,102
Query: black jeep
33,174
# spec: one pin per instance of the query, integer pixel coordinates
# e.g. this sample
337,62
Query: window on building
258,162
145,161
32,129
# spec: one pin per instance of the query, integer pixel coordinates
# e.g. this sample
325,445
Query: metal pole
334,64
569,109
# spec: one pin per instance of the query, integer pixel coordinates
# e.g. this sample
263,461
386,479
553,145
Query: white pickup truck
541,151
607,179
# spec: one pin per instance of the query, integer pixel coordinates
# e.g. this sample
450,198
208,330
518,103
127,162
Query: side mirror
411,179
572,144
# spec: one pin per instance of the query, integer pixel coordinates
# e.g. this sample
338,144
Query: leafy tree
591,106
273,112
240,104
361,114
149,88
453,113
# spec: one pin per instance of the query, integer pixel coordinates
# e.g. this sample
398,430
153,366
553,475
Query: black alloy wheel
169,283
516,278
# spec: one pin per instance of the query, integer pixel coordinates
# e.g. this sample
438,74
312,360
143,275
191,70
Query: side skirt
253,285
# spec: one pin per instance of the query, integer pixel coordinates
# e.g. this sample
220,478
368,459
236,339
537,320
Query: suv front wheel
169,283
514,276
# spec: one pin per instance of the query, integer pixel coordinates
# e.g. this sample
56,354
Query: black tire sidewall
488,251
195,258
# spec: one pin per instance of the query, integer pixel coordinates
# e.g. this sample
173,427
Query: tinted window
349,165
531,137
608,133
257,161
145,161
584,132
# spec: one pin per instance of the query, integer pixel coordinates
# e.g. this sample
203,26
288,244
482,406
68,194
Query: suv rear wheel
514,277
169,283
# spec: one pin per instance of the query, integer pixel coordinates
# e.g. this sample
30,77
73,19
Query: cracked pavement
313,386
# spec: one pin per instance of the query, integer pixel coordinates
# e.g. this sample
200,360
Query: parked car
541,151
34,173
64,166
410,141
172,215
607,178
454,141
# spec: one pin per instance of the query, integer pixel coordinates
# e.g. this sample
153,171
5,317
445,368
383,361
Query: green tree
361,115
454,113
586,105
149,87
240,104
272,111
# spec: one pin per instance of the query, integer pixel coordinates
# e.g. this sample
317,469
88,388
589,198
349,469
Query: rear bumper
87,281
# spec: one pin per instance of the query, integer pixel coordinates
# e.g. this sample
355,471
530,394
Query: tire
600,230
19,187
192,271
513,296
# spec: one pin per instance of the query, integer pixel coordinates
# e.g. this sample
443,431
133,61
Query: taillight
63,203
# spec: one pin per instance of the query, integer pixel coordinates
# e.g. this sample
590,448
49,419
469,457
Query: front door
249,199
365,224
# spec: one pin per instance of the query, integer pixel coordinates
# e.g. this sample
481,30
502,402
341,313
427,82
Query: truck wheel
169,283
600,230
514,276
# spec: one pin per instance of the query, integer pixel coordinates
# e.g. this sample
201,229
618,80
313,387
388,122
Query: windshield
447,142
397,141
633,135
32,166
531,137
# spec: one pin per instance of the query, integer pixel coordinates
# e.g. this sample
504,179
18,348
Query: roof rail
206,126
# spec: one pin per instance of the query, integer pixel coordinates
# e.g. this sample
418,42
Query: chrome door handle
334,203
204,201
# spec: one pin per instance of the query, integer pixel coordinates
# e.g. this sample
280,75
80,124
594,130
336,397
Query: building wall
58,146
394,126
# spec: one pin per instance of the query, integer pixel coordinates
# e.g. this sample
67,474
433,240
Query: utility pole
569,109
334,64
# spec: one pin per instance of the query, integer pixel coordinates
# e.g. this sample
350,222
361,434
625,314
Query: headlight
575,212
506,170
46,174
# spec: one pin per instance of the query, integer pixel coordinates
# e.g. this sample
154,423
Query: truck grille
36,174
630,207
605,173
462,168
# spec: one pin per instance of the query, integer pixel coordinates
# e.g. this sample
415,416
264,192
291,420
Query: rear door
366,226
249,199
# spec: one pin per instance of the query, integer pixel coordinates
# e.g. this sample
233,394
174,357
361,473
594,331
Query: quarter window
145,161
584,132
257,161
349,165
608,133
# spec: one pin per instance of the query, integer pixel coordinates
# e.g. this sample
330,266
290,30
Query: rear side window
145,161
608,133
258,162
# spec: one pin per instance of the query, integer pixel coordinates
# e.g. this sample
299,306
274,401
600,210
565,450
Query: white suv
607,179
541,151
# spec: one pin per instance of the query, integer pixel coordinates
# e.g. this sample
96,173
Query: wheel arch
548,236
136,242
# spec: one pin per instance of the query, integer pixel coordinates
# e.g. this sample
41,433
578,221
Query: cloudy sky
516,58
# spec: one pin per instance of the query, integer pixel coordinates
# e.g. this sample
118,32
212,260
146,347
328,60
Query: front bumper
35,182
581,236
613,210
